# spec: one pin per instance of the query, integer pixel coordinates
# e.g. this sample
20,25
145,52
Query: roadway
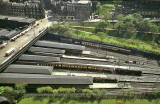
22,41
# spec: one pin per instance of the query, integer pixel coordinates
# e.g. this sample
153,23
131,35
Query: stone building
79,10
27,9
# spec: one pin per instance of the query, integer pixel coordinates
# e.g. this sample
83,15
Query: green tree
87,91
46,89
20,90
9,93
55,91
101,27
126,28
103,91
155,92
101,35
96,91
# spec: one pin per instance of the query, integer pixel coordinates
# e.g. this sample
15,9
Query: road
22,41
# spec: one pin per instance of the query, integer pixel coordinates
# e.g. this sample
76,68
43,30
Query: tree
20,90
87,91
101,35
155,92
126,27
103,91
46,89
55,91
101,27
9,93
96,91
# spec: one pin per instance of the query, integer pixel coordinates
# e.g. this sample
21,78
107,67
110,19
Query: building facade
79,10
27,9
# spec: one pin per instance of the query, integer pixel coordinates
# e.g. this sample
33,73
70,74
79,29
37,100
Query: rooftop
18,19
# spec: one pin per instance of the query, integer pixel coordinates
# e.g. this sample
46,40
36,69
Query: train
23,32
3,45
20,34
89,43
9,52
87,67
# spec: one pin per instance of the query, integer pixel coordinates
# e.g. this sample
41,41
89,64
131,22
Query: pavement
23,40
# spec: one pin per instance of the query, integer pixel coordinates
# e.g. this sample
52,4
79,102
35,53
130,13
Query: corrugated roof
39,58
26,69
5,34
46,50
18,19
60,45
11,78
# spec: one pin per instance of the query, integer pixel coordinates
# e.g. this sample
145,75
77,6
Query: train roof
39,58
103,66
12,78
59,45
26,69
46,50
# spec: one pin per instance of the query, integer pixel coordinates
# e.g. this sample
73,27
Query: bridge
23,43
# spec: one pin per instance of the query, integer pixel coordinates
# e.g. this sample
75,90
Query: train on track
89,43
88,67
9,52
100,45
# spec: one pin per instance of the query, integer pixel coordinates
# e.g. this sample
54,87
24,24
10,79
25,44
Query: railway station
41,52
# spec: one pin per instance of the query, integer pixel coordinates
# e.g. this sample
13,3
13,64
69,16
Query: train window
84,67
89,67
134,62
63,66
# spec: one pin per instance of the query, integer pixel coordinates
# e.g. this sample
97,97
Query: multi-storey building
76,9
27,9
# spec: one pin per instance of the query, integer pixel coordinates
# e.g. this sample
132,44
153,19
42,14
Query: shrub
46,89
55,91
71,90
62,90
88,91
66,90
20,88
103,91
1,90
96,91
9,93
155,92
